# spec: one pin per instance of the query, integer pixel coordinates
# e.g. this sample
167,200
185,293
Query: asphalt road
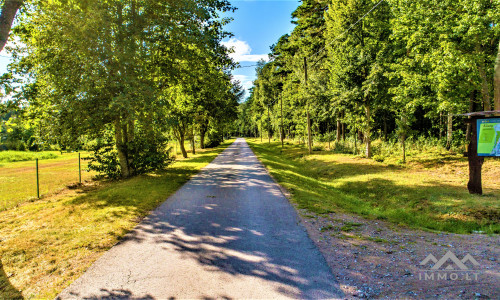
227,233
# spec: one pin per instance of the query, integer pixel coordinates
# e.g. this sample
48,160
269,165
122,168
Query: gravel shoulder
376,259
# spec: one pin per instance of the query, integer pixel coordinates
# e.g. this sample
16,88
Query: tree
9,11
112,62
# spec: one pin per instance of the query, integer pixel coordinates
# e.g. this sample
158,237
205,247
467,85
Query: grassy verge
18,179
430,193
47,244
13,156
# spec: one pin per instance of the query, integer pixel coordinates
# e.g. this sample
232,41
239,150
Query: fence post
37,181
79,168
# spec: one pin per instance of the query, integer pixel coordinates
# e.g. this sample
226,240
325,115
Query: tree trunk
485,87
193,142
449,133
309,138
497,80
268,125
368,140
440,125
202,137
471,109
339,125
385,129
9,11
404,149
343,132
181,144
121,148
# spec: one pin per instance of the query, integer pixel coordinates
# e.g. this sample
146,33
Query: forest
118,78
395,71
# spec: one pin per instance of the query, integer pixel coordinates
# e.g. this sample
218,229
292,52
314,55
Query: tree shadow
321,187
230,220
7,291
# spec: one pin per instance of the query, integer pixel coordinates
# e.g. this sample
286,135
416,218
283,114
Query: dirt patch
376,259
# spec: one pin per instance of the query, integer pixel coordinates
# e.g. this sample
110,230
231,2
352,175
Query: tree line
377,68
122,77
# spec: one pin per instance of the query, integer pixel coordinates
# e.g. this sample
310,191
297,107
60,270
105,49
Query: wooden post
475,161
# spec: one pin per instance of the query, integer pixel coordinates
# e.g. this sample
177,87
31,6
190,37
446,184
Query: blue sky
257,25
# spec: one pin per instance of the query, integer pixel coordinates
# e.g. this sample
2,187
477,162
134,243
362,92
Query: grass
428,193
18,178
13,156
47,244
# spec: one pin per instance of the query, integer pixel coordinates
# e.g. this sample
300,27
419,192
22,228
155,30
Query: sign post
485,142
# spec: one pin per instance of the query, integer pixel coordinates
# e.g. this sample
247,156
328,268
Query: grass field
13,156
48,243
428,193
18,175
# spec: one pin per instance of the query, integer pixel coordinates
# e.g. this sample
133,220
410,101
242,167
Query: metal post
37,181
79,167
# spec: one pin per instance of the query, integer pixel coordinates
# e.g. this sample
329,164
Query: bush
145,155
318,148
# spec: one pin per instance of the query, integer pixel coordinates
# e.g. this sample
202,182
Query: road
227,233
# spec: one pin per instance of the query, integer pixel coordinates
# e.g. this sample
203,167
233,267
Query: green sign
488,137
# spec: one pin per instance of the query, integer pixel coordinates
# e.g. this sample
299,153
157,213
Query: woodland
398,71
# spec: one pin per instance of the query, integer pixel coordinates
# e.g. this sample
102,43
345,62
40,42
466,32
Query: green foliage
124,69
418,197
377,69
104,159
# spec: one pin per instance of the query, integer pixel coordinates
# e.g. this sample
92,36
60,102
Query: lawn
428,193
18,174
48,243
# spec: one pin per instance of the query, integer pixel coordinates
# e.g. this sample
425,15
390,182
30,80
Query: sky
257,25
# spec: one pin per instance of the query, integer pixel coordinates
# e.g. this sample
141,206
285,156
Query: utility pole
309,143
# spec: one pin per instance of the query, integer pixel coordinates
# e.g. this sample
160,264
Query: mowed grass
12,156
428,193
47,244
56,171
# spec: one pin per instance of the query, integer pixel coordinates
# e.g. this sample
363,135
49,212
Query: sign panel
488,137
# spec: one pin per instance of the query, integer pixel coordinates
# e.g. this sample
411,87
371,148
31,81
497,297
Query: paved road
227,233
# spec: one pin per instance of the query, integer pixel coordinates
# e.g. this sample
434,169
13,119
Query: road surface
227,233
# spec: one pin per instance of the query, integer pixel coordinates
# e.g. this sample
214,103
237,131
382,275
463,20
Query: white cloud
242,51
246,82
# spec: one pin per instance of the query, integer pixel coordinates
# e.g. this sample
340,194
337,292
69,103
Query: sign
488,137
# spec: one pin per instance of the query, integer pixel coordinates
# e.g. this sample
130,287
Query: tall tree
9,11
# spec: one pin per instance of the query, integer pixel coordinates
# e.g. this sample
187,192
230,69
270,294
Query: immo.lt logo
449,267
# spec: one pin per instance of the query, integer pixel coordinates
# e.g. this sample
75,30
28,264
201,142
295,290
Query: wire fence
29,180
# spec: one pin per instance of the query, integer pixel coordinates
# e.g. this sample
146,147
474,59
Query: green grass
428,194
18,179
46,244
13,156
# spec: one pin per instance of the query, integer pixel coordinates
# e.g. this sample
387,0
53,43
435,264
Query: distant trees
381,67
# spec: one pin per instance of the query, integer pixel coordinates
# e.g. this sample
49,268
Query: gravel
376,259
